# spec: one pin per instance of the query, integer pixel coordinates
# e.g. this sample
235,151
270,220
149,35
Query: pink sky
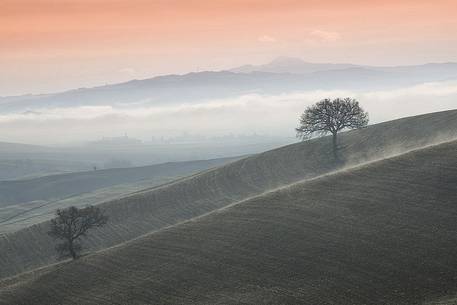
50,45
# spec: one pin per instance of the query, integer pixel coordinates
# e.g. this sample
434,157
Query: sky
54,45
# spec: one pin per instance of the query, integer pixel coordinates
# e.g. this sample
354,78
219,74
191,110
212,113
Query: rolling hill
182,200
20,161
23,160
28,201
25,168
63,185
381,233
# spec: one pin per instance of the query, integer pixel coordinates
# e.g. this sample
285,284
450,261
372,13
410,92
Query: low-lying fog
265,115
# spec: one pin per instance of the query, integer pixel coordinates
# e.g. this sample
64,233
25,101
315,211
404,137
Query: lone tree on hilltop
71,224
331,116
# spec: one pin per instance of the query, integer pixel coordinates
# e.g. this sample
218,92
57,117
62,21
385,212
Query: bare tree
331,116
71,224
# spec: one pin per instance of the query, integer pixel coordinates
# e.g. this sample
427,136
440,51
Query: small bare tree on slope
331,116
71,224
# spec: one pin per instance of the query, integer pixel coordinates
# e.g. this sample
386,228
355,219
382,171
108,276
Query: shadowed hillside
63,185
382,233
156,208
25,202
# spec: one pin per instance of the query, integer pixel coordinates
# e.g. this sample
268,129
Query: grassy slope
154,209
382,233
26,202
63,185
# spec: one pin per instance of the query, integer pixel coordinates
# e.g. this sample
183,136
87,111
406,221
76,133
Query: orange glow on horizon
216,34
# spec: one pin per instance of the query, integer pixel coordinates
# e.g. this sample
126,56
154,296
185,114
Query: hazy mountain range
282,75
292,65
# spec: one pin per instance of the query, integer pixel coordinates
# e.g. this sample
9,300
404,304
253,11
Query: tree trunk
335,146
72,250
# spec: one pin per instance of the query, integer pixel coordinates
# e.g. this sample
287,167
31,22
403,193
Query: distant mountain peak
294,65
